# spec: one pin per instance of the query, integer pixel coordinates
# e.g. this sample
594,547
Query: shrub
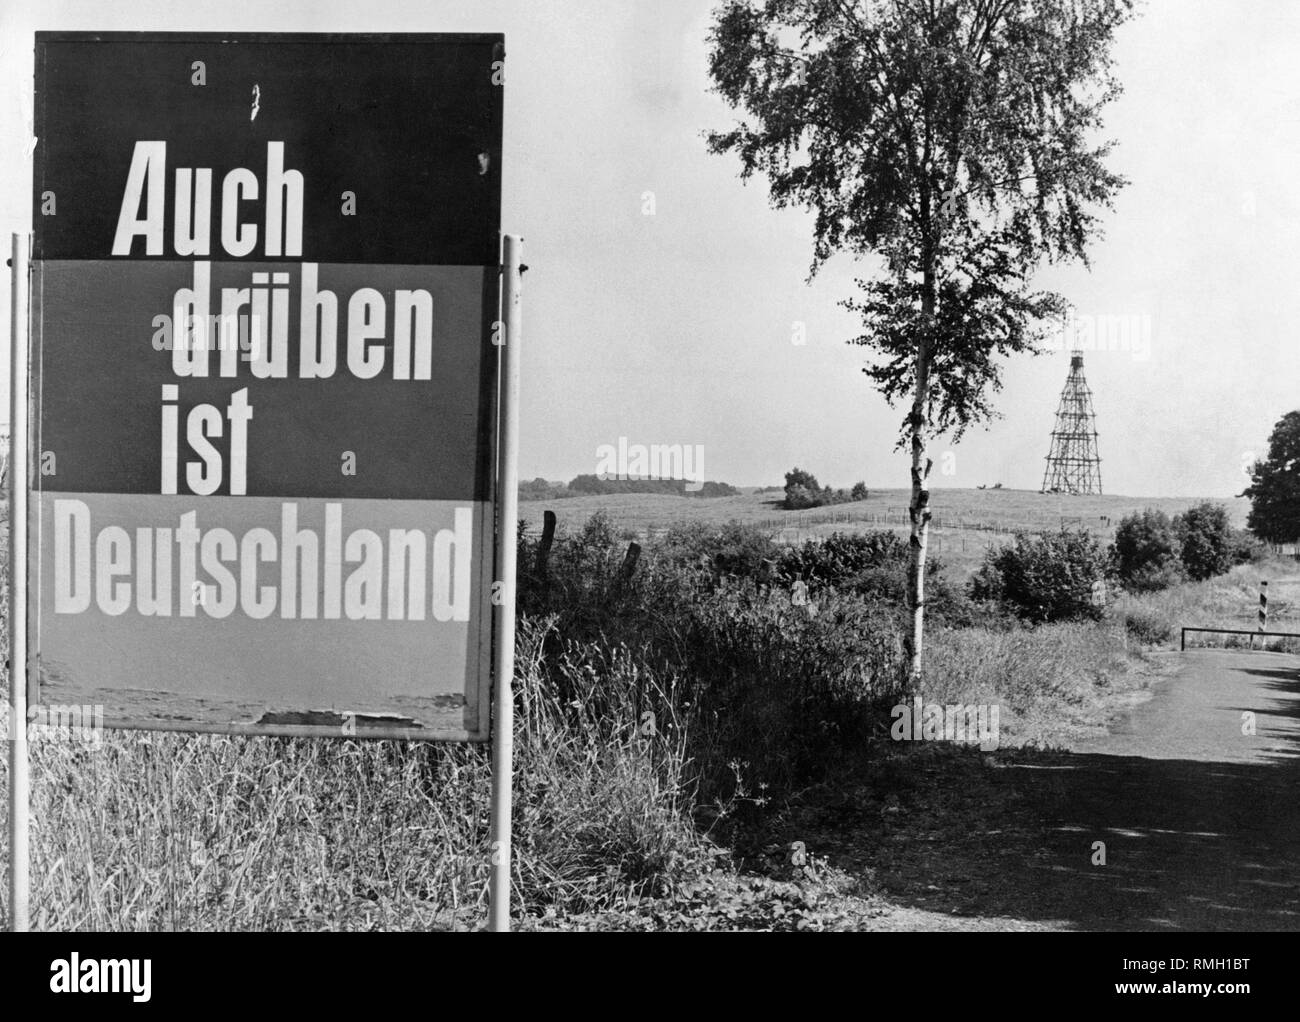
733,548
777,692
986,584
1244,547
842,559
1147,626
1154,578
800,498
1206,539
583,587
874,566
788,691
1146,552
798,477
802,491
1046,577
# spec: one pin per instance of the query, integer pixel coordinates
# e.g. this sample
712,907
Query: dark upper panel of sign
397,138
105,368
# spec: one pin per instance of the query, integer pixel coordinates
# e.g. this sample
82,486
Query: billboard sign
265,283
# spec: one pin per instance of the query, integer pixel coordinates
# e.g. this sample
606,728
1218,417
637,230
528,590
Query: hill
966,522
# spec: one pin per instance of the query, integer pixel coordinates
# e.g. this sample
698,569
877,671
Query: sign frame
494,625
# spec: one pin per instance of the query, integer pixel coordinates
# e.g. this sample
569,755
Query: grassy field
616,826
966,522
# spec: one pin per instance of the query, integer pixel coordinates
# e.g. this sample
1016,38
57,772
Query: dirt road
1198,818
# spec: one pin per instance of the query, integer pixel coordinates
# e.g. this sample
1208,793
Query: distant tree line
590,484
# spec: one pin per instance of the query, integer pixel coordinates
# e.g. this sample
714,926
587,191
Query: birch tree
954,142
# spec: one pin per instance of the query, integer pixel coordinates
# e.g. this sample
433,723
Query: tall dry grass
1046,681
165,831
1055,679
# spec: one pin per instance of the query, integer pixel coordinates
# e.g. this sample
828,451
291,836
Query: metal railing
1236,631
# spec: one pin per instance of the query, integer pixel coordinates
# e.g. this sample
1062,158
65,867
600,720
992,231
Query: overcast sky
677,327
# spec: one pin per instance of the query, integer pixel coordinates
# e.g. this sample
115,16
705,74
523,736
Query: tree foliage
1205,540
953,139
1147,552
802,491
1274,490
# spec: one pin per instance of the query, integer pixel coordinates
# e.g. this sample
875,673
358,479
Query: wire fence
947,533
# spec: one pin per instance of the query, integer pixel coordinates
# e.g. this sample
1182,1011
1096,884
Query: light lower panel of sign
263,611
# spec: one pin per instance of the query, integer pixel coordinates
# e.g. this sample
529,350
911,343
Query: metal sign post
333,546
507,526
19,887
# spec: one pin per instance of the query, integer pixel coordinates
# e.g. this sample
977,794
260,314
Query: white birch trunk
919,509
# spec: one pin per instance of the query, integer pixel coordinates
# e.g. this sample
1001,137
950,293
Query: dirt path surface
1200,822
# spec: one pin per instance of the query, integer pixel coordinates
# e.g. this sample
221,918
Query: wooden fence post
629,561
544,547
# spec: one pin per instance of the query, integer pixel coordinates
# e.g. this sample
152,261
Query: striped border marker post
1263,609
